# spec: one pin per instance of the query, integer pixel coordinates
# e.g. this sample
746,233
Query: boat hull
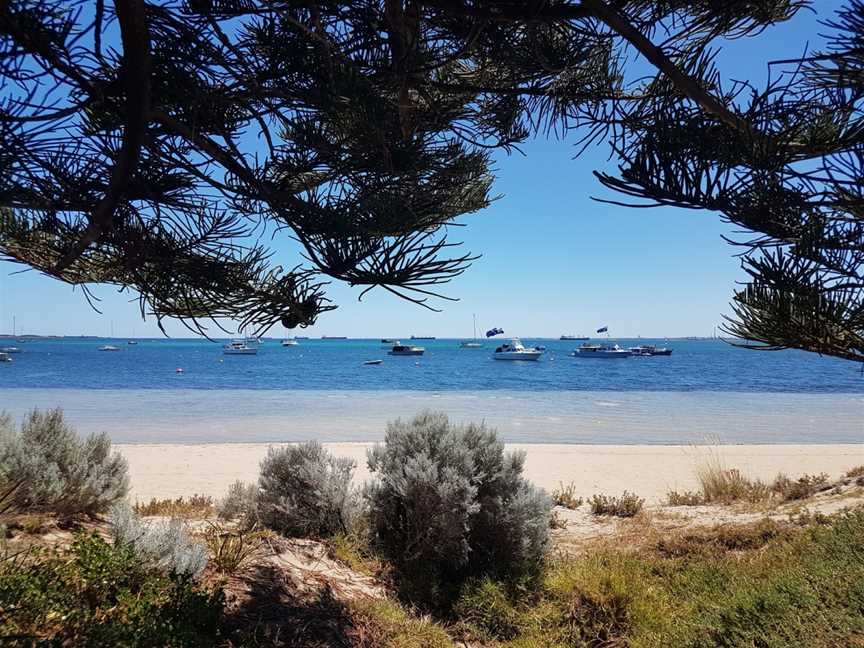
524,355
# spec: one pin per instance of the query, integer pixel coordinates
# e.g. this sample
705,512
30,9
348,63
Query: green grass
386,624
96,594
761,587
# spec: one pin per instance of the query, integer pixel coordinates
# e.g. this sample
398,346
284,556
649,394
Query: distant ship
334,337
574,337
422,337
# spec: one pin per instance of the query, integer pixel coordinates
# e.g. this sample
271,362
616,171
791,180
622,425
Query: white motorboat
239,347
10,349
373,362
109,347
472,343
515,350
400,349
601,351
5,357
388,342
290,342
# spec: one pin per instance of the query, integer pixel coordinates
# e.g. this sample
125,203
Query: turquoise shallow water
695,365
626,417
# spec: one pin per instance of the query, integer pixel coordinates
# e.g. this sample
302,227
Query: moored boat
373,362
406,350
289,342
239,347
472,343
5,357
650,350
574,337
515,350
10,349
601,351
109,347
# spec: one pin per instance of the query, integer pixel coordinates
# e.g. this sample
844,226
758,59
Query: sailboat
473,344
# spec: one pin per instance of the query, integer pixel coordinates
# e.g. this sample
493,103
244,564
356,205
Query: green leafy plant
566,496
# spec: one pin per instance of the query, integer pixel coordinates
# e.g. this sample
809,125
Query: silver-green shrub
240,503
448,503
305,491
163,545
60,471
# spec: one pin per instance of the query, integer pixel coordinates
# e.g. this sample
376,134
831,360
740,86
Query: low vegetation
240,503
160,545
197,506
233,549
447,503
566,496
55,470
790,589
720,485
625,505
95,593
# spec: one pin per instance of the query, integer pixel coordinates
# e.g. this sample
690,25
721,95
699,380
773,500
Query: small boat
253,341
301,337
5,357
109,347
373,362
405,350
574,337
514,350
388,342
131,343
289,342
473,343
10,349
239,347
650,350
601,351
422,337
334,337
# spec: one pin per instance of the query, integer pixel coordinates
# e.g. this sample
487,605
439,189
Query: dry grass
197,506
684,498
566,496
724,537
857,471
626,505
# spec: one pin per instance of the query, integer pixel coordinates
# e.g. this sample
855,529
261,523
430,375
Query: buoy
178,370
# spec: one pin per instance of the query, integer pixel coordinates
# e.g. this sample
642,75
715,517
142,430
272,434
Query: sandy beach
172,470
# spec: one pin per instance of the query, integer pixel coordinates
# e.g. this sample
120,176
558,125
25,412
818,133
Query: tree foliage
364,129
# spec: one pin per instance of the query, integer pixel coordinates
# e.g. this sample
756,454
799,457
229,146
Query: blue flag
494,331
603,329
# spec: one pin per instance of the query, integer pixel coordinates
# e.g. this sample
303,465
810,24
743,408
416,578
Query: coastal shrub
305,491
162,545
196,506
94,593
857,471
722,485
566,496
801,488
447,503
626,505
240,503
684,498
58,471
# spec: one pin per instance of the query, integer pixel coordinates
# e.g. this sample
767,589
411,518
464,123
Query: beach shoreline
170,470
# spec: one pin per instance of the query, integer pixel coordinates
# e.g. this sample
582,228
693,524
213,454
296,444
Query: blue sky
554,261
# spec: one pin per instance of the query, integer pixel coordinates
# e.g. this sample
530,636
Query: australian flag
494,331
603,329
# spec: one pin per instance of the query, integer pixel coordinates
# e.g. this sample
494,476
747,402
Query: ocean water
695,365
707,391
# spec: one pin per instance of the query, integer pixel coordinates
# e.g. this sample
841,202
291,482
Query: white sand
172,470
